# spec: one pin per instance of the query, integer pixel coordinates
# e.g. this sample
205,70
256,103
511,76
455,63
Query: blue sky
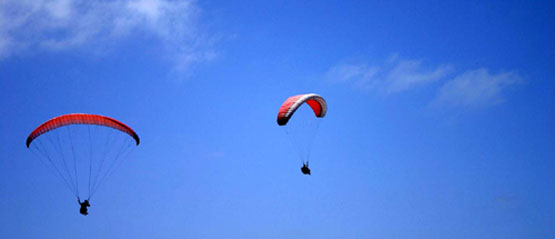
440,120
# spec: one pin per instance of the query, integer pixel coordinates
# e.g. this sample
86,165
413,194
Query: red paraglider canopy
316,102
80,118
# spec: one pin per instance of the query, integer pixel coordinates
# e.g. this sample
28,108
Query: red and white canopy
288,108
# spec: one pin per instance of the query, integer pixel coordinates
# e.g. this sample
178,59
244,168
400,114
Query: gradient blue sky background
440,122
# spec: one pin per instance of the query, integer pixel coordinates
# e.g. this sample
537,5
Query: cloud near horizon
69,24
469,89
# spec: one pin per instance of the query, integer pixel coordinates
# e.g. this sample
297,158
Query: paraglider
303,129
84,205
304,169
82,150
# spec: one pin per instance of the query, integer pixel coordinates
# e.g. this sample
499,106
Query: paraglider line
52,165
111,168
74,161
104,154
59,150
90,159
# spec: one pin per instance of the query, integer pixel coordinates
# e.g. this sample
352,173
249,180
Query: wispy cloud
359,76
394,76
67,24
406,75
475,88
467,89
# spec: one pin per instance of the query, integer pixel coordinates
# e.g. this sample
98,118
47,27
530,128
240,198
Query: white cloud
408,74
476,88
67,24
469,89
394,76
59,9
359,76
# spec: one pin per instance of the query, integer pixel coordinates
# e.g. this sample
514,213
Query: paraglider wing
288,108
79,118
82,149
